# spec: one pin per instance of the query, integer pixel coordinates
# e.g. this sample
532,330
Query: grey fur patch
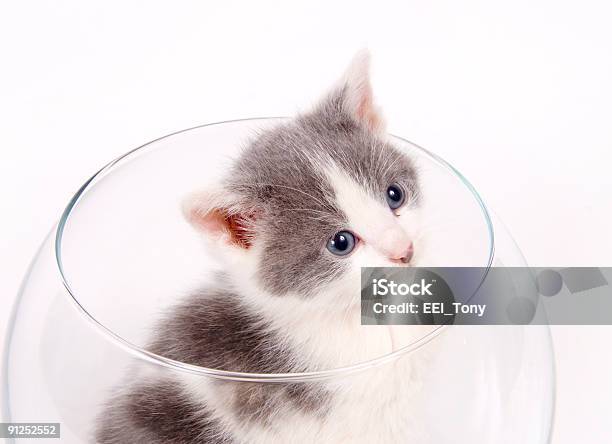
297,213
156,413
212,328
264,403
215,329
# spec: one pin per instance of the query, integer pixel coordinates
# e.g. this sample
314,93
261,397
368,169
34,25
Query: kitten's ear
353,94
220,217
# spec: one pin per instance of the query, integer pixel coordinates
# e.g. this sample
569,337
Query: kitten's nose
404,255
396,245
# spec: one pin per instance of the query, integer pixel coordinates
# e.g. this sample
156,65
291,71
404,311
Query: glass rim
154,358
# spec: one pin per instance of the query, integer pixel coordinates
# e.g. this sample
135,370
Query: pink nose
396,245
404,255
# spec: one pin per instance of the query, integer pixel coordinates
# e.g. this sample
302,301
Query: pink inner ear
240,228
367,113
217,222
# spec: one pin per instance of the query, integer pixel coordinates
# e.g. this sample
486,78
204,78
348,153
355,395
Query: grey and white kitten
301,210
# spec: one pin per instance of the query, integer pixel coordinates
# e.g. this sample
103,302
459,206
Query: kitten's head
312,200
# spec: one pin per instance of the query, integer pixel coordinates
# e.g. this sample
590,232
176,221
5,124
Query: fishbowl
122,257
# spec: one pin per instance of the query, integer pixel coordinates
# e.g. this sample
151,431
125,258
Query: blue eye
341,243
395,196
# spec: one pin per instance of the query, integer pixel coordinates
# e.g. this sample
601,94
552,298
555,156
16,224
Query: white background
517,95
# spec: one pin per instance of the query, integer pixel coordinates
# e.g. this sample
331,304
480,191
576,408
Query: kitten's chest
375,406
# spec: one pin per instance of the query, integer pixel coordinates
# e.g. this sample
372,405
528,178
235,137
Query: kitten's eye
341,243
395,196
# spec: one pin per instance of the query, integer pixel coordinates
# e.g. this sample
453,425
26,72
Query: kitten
306,205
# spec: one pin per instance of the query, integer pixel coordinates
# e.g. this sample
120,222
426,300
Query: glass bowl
121,256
